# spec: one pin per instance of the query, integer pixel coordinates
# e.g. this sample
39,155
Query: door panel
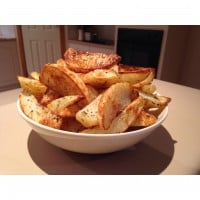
41,45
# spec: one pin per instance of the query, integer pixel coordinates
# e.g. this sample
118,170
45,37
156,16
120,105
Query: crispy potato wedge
101,78
147,80
88,116
113,100
38,113
57,79
58,106
35,75
144,119
83,62
154,100
64,81
123,121
149,88
32,86
133,74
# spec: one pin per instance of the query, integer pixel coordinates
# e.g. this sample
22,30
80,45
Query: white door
41,45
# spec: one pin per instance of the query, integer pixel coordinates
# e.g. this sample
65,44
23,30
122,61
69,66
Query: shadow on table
139,159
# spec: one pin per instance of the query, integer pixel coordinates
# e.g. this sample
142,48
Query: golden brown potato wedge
133,74
58,106
154,100
147,80
64,81
123,121
58,80
83,62
101,78
38,113
149,88
32,86
113,100
144,119
88,116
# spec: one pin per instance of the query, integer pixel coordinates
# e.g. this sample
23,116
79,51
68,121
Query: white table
174,148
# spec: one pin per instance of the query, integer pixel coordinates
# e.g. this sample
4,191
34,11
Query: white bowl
92,143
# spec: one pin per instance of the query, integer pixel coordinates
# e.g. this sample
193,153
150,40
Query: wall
7,31
181,63
190,75
106,32
71,31
174,53
103,31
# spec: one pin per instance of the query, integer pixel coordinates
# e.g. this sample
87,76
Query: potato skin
65,82
38,113
32,86
58,80
83,62
88,116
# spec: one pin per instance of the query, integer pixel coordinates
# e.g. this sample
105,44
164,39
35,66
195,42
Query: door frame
20,45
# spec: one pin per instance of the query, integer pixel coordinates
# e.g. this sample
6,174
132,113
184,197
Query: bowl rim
163,115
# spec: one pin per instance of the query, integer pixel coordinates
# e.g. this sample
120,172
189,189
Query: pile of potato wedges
91,93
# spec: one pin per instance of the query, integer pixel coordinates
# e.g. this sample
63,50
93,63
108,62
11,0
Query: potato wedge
123,121
154,100
101,78
58,80
144,119
64,81
133,74
38,113
113,100
58,106
83,62
32,86
149,88
147,80
88,116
